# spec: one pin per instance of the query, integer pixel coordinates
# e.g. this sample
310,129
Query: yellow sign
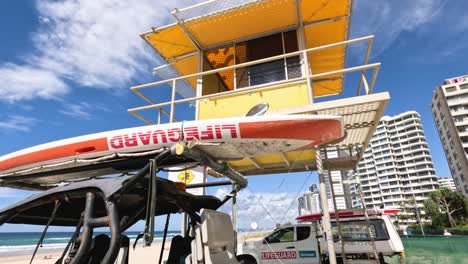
185,176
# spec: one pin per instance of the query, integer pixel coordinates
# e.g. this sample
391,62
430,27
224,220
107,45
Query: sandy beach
138,255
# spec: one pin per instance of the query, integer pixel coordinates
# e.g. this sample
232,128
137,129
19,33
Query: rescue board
223,139
351,213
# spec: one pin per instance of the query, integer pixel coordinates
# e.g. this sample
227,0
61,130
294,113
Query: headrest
217,230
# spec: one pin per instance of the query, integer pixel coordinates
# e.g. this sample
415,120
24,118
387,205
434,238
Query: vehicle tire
246,259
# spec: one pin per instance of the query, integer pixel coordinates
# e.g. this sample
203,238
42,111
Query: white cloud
389,19
80,111
19,82
17,122
85,42
265,208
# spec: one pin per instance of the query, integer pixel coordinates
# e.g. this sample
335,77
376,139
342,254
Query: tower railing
306,77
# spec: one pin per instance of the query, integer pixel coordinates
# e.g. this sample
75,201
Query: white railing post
366,85
374,77
310,92
366,61
171,117
159,115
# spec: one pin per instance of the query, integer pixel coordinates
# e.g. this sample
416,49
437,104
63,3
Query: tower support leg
326,225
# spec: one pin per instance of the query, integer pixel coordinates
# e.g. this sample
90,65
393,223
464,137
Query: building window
464,86
251,50
450,89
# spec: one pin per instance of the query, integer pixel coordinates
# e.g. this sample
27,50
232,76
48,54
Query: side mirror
258,110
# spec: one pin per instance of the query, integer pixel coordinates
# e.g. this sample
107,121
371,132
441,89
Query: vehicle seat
99,247
180,249
217,235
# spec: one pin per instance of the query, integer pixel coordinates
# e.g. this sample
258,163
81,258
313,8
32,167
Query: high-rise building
450,112
397,167
338,178
309,203
446,182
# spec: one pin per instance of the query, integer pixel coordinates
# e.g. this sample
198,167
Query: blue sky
66,68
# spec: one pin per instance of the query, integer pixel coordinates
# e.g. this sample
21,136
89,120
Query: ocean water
18,242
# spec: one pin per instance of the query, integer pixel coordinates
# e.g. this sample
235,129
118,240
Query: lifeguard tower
224,57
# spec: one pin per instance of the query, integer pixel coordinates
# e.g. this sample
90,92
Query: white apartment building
338,178
450,111
397,165
446,182
309,203
339,189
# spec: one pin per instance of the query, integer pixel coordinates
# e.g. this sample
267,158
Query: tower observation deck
225,56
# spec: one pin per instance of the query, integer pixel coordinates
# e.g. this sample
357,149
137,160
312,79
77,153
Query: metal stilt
326,225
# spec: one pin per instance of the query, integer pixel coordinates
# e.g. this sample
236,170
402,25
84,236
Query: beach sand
139,255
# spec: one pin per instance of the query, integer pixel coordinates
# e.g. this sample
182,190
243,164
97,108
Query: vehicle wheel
245,259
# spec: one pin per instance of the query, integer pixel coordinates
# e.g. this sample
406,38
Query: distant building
447,183
450,111
309,203
397,166
339,178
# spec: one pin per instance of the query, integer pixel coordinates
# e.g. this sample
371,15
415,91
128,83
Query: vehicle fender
253,252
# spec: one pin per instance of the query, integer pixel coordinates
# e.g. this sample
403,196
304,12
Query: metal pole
234,218
326,225
366,216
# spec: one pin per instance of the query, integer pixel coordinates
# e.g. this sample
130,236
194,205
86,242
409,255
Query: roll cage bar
120,202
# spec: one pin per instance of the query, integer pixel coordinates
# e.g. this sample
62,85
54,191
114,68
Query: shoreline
138,255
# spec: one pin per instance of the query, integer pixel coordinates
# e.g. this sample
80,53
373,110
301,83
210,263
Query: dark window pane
290,41
450,89
294,67
281,235
261,48
303,232
358,231
264,47
267,72
293,63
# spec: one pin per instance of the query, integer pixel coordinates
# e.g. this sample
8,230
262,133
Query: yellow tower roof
217,23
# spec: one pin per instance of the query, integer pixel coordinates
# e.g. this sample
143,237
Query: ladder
363,210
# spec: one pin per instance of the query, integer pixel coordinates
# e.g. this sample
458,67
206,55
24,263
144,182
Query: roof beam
187,32
285,159
254,162
326,20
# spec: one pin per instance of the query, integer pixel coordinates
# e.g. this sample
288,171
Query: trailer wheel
246,259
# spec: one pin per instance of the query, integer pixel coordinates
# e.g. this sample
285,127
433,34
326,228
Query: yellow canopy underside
259,18
306,156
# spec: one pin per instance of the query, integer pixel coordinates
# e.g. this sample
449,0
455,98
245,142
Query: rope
166,227
297,195
72,239
52,217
